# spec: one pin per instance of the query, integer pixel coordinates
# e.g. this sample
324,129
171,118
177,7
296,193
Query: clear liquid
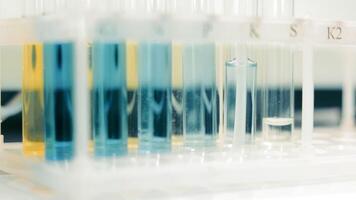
32,94
240,101
278,129
230,103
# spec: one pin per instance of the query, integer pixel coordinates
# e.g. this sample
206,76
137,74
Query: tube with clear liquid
58,100
155,91
278,120
200,99
32,99
109,99
240,101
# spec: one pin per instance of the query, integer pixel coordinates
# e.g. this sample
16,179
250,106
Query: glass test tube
109,99
278,120
200,101
32,100
132,92
154,105
58,98
240,101
177,94
91,98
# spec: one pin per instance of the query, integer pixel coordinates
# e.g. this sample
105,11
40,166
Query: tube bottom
155,145
33,148
196,142
278,129
111,148
60,151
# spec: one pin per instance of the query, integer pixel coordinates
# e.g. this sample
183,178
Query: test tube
109,99
200,101
177,95
32,99
132,93
278,120
240,101
91,98
278,115
58,100
154,105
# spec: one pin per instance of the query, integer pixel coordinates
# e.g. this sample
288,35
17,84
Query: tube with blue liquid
154,104
58,98
109,99
200,97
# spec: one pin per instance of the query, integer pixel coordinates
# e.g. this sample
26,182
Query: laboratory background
177,99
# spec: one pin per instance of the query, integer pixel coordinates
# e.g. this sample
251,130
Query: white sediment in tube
278,117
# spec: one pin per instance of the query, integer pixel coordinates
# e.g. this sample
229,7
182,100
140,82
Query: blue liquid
200,97
154,103
109,99
58,98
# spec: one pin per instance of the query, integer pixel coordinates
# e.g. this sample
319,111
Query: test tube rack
319,156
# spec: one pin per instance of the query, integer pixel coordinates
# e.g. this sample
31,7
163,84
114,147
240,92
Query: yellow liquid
177,140
177,99
32,94
90,85
132,86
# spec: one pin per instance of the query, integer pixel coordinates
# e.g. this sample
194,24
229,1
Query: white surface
325,171
15,188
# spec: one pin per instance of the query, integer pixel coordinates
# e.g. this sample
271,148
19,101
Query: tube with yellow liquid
177,95
132,89
32,94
